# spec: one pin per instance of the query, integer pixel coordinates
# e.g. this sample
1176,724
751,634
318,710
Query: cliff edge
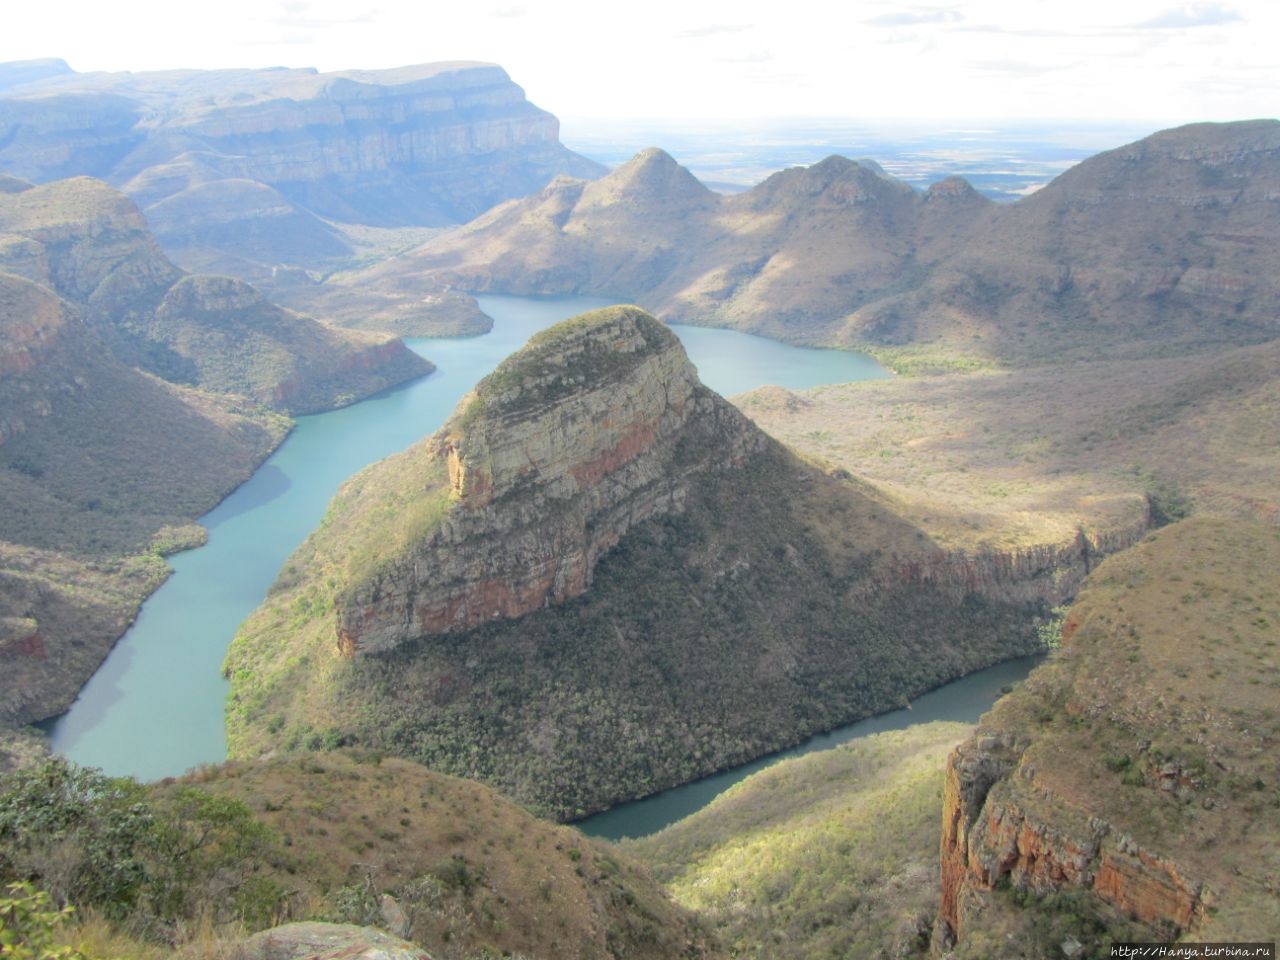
549,465
1128,791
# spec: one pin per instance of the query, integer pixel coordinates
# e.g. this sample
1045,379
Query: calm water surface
155,708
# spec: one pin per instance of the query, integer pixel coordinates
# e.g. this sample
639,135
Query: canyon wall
241,170
90,245
1127,781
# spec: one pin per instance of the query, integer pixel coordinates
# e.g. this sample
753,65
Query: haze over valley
589,577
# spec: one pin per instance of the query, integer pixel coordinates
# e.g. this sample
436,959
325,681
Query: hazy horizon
929,62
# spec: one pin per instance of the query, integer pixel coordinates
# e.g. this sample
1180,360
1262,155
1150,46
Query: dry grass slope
830,854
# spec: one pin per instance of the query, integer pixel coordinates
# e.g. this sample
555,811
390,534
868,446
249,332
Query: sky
993,60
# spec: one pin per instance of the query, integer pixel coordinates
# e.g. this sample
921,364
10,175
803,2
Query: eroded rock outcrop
328,941
994,834
1052,572
1118,775
554,457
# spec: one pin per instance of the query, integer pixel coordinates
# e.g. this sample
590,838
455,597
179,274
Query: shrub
28,921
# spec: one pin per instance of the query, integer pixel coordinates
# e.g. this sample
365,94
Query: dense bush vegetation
158,866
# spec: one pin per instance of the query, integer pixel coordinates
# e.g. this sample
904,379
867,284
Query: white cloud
1193,15
711,30
1133,59
915,16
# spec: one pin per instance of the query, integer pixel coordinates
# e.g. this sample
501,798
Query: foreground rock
598,579
328,941
1127,791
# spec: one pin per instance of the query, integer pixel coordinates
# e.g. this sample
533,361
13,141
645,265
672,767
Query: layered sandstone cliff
562,450
1130,781
242,169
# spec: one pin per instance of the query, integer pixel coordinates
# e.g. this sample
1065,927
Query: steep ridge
90,244
1156,248
549,430
1127,790
598,580
215,157
629,230
101,466
781,253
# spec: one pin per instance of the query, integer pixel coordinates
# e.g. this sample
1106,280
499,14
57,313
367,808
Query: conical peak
654,173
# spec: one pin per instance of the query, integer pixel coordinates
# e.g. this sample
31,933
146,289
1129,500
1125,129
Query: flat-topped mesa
598,424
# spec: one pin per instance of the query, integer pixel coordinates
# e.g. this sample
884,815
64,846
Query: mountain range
598,579
1162,246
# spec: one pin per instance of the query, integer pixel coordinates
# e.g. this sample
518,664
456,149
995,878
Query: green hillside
833,854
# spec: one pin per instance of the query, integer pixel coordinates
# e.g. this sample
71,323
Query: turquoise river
155,707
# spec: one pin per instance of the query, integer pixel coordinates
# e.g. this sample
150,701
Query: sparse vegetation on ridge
1022,457
186,868
1157,719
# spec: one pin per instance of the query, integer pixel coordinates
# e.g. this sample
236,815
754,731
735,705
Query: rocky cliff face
236,168
1115,776
553,459
992,836
1050,572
